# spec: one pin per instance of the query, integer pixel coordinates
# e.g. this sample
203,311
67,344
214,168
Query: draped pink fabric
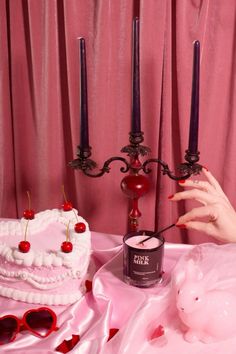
144,320
39,102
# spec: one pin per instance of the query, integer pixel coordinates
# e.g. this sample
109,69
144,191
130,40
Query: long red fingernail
171,196
182,181
181,226
205,168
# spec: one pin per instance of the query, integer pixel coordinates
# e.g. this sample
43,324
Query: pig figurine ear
178,278
193,272
196,254
210,280
189,271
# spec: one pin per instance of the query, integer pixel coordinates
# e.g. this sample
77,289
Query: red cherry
67,206
66,246
28,214
24,246
80,227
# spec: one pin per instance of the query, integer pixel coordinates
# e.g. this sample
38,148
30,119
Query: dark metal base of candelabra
135,185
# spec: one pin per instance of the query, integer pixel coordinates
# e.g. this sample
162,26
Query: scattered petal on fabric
88,285
69,344
158,332
112,332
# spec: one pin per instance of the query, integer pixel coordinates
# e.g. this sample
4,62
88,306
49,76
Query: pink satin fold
143,320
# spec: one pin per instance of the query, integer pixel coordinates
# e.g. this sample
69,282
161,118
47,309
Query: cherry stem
76,215
26,228
67,232
29,199
63,193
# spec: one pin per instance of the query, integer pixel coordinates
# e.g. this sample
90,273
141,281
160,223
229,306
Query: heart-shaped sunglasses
40,322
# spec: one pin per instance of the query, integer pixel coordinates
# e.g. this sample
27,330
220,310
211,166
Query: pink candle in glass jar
142,262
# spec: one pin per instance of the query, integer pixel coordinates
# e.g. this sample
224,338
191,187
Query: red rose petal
69,344
62,348
112,332
158,332
88,285
73,341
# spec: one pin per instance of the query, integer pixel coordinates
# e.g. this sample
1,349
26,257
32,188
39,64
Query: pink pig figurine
208,313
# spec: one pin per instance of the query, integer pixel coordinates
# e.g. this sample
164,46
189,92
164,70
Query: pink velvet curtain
39,102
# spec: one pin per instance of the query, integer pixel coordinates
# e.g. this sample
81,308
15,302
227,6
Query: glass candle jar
142,262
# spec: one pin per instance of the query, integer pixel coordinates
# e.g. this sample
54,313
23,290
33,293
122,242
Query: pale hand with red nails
215,216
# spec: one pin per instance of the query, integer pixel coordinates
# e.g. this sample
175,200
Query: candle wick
141,242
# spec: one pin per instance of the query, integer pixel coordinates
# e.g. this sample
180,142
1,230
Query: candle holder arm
84,163
134,150
186,169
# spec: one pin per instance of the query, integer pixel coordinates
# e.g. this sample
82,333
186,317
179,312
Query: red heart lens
40,322
8,329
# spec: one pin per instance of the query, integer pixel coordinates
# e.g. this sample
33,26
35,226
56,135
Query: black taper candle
84,131
194,116
135,121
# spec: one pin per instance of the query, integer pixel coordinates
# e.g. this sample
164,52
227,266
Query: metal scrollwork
87,165
134,150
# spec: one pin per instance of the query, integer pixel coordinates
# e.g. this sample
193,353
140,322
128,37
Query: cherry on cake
47,273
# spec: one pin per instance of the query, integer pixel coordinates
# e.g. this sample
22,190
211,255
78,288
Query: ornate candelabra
134,184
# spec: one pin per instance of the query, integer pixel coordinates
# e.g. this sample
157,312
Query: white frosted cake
45,274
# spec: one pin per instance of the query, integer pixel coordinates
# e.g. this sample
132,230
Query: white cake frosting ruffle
46,274
38,258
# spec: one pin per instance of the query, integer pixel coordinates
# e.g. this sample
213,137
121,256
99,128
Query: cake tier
45,274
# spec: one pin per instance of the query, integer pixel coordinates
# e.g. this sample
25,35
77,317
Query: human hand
216,216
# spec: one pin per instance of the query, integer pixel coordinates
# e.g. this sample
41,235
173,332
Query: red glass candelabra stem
134,186
134,215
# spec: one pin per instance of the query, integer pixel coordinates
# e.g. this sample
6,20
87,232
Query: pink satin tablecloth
142,319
